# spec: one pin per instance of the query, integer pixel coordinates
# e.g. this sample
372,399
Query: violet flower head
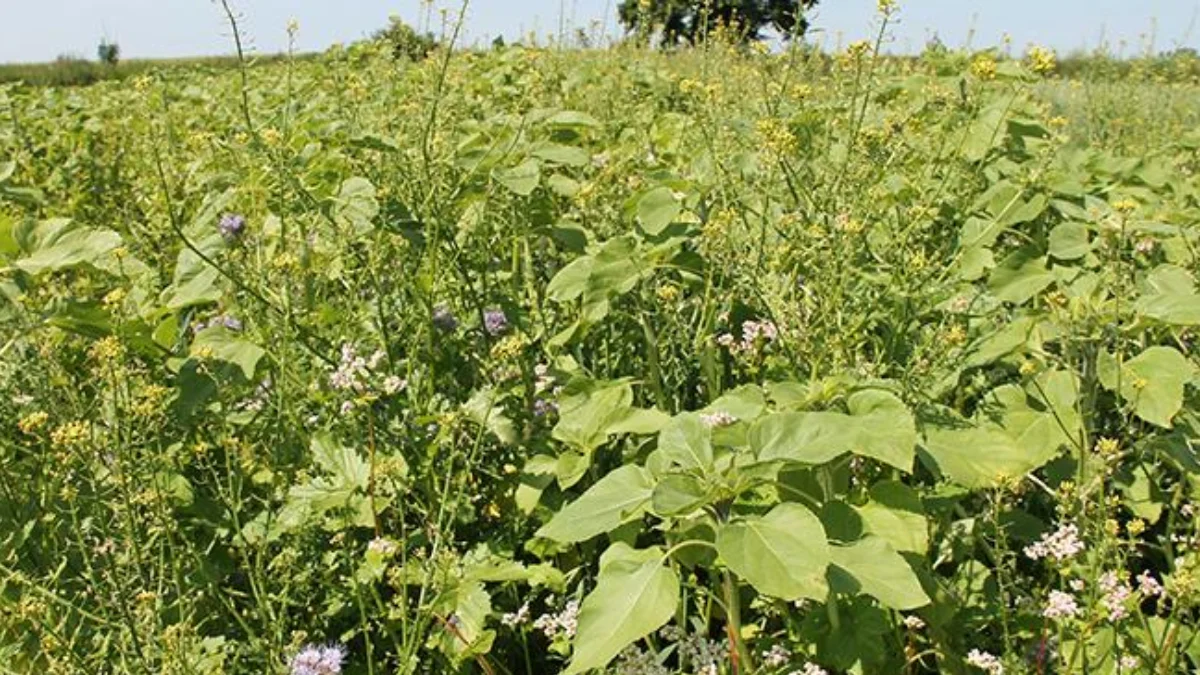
444,320
232,226
318,660
495,322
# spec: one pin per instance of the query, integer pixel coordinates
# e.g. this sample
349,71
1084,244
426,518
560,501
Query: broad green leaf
678,494
1175,309
657,209
895,514
1152,382
880,572
522,179
195,282
619,497
484,409
635,595
69,247
225,345
745,403
783,554
341,461
571,281
567,155
977,457
1069,241
355,207
879,426
687,442
1020,276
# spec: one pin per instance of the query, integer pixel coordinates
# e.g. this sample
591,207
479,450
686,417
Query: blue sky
39,30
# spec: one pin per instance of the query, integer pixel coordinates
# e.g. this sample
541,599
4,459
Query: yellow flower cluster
107,351
776,136
70,435
34,421
984,67
509,347
1042,60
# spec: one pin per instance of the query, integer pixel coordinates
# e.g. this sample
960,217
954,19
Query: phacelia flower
318,660
231,226
495,322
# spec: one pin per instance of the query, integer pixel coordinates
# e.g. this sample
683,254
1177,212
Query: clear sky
40,30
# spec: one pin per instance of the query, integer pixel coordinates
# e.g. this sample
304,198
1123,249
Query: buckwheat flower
1077,585
1116,595
913,622
1062,544
393,384
776,656
231,226
1127,663
634,660
382,546
318,660
517,618
985,661
1187,510
810,669
727,341
495,322
444,320
1060,605
1148,585
718,419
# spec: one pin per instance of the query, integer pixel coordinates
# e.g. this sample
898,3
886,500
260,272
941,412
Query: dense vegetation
712,361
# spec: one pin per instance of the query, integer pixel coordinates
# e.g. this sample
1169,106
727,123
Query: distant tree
108,52
405,41
689,20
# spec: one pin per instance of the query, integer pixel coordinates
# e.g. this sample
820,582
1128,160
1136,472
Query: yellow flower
668,293
956,335
114,298
31,423
1107,447
983,67
107,351
1136,527
1125,206
1042,60
886,7
69,435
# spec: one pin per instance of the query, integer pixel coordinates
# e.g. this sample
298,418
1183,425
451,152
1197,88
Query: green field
710,361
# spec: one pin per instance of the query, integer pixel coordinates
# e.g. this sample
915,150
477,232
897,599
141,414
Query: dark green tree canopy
688,20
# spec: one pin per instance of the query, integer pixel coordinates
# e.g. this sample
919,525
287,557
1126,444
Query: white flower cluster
1148,585
563,623
318,660
636,661
776,656
810,669
1060,605
1116,595
755,334
718,419
1062,544
985,661
517,618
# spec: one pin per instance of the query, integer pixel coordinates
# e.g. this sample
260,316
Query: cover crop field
524,361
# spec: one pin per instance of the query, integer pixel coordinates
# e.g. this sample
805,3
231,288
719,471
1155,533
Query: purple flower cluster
318,660
231,226
495,322
755,334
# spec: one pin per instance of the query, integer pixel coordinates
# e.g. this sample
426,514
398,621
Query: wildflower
1148,585
810,669
517,618
1077,585
231,226
1125,206
1187,510
1145,246
776,656
393,384
886,7
1107,447
1060,605
634,660
495,322
106,351
1127,663
543,407
31,423
70,434
703,654
983,67
318,660
114,298
383,547
985,661
718,419
1042,60
913,622
563,623
353,370
1062,544
1136,527
1116,593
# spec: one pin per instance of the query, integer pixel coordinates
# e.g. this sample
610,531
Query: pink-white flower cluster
985,661
755,334
1060,605
1116,595
563,623
1148,585
718,419
1062,544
